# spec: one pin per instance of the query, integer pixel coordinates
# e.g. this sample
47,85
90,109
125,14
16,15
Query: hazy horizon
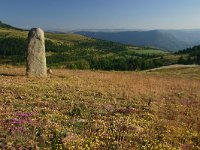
95,14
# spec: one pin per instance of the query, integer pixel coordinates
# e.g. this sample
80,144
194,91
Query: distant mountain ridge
172,40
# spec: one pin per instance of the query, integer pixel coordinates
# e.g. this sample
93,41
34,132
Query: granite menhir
36,58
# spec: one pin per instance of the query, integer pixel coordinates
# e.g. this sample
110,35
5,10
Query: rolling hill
76,51
6,26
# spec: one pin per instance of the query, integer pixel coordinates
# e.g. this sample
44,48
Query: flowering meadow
99,110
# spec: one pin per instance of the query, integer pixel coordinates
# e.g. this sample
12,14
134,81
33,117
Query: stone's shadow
10,75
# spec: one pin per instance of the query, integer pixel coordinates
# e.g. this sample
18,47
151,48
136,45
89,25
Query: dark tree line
124,63
193,55
104,63
12,46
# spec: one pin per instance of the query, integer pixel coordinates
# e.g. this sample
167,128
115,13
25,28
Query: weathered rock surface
36,58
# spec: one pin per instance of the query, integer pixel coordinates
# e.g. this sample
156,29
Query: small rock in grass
49,71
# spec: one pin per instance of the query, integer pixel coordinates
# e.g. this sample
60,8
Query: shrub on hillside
81,64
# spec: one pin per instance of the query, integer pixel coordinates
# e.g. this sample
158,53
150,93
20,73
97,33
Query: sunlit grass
192,72
98,110
147,51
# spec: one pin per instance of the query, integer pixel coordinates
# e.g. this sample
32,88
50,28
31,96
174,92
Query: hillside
181,71
6,26
75,51
172,40
99,110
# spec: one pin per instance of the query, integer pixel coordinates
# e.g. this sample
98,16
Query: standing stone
36,59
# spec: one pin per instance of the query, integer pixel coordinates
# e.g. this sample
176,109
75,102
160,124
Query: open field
174,66
99,110
146,51
181,71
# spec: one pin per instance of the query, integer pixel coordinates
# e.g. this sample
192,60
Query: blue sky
102,14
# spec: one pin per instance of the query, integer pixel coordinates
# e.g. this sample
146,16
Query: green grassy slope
6,26
190,71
